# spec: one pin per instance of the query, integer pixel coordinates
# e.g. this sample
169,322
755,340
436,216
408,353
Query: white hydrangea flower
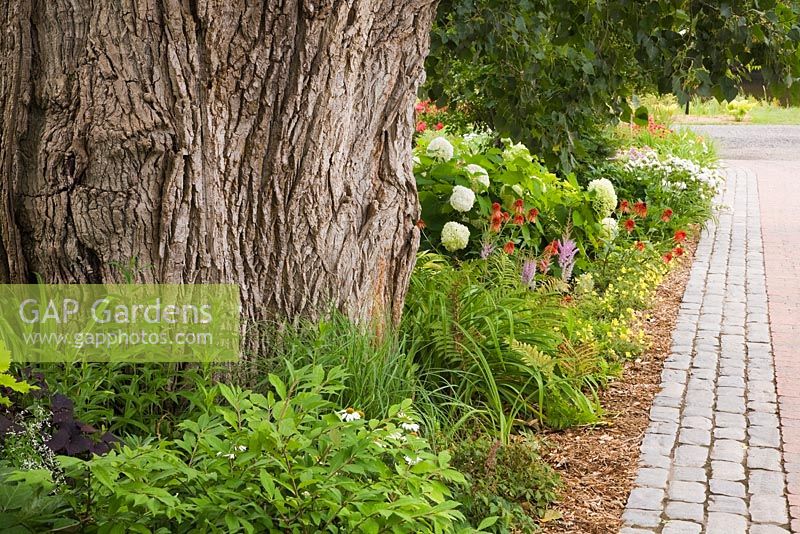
440,149
610,229
455,236
478,175
605,200
462,199
348,415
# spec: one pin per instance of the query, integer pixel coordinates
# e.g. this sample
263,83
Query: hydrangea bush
478,199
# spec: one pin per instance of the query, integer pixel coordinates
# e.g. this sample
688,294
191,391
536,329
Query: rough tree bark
265,143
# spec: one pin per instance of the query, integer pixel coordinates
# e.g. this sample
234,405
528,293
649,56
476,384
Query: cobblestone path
712,458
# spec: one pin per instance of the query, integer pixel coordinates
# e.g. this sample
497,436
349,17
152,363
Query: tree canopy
550,72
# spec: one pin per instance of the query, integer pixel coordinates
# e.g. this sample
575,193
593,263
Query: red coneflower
552,248
640,209
667,257
639,246
630,224
508,248
506,216
533,213
439,126
519,220
624,206
421,224
419,107
519,207
678,251
421,126
666,215
496,206
680,236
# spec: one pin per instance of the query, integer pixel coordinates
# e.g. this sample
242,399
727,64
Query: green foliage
553,73
284,462
143,398
508,481
498,344
30,501
739,108
8,381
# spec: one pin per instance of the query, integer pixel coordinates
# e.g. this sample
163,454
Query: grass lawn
712,112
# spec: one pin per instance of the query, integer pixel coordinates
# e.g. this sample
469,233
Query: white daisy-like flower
349,414
241,448
410,427
455,236
462,199
412,461
440,149
478,174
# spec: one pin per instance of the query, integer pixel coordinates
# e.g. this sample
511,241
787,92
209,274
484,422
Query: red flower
552,248
533,213
666,215
519,219
421,224
667,257
497,221
639,246
678,251
439,126
419,107
508,248
566,300
624,206
496,206
680,236
421,126
506,216
629,225
640,209
519,206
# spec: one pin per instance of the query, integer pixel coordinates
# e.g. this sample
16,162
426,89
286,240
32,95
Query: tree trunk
260,143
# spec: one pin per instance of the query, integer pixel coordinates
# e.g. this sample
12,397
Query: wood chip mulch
598,464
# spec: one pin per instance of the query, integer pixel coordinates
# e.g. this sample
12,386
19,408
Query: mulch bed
598,464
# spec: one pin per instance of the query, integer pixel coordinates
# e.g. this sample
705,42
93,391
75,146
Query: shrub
509,481
289,461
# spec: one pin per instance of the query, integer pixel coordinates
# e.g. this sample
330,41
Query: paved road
754,141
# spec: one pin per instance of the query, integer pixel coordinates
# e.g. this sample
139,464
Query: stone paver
714,459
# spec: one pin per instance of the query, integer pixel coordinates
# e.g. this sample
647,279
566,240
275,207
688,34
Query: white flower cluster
675,172
455,236
462,199
478,175
440,149
610,229
605,199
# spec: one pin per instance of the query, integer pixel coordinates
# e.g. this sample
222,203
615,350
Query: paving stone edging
711,458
